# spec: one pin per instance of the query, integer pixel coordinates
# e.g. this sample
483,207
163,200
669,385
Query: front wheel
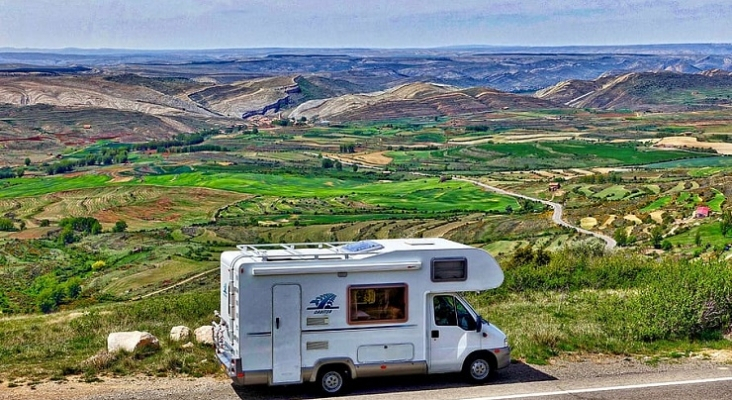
478,368
333,381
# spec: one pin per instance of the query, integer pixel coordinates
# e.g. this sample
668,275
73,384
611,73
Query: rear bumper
239,377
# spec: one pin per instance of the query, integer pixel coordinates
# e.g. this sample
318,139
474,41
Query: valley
121,183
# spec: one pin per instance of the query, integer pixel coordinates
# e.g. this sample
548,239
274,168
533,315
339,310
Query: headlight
505,341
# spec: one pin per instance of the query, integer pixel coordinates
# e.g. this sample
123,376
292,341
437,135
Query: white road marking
601,389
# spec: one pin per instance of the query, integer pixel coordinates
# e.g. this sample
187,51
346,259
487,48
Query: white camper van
332,312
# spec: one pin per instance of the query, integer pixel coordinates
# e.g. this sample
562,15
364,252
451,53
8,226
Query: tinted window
449,269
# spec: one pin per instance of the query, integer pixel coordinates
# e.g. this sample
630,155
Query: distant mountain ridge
513,69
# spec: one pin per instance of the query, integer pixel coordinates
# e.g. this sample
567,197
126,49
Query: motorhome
332,312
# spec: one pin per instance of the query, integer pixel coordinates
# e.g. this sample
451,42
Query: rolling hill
414,100
646,91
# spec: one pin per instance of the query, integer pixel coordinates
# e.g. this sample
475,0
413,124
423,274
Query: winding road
610,243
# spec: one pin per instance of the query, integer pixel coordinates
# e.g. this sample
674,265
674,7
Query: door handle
435,334
277,323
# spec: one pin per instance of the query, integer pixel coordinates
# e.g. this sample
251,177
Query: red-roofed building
702,212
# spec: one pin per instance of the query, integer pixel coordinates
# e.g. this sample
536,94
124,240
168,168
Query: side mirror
479,327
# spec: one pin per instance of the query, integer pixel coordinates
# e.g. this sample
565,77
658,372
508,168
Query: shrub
683,300
6,224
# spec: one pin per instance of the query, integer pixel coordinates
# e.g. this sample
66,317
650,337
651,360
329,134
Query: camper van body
331,312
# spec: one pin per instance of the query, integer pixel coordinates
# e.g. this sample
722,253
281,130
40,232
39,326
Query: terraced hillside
654,91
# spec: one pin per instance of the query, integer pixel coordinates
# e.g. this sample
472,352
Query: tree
542,257
522,256
27,161
67,236
120,226
355,167
72,288
339,166
726,224
327,163
656,237
621,236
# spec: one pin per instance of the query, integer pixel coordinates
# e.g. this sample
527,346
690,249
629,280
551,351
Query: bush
682,300
6,224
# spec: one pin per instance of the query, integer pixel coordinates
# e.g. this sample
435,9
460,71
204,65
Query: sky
217,24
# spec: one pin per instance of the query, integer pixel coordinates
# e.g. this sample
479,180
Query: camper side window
377,304
449,269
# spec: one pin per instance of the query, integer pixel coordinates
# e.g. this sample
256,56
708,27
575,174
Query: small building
554,186
701,212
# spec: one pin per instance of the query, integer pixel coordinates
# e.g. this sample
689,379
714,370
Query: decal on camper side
323,304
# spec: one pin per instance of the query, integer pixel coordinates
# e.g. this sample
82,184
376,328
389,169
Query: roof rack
313,250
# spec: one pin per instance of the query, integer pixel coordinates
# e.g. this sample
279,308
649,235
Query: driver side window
448,311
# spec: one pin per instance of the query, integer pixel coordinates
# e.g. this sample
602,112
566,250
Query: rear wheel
479,368
333,381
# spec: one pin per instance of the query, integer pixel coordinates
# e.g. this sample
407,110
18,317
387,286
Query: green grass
715,204
41,347
709,233
424,195
680,186
158,276
615,192
714,164
602,153
428,195
657,204
26,187
655,189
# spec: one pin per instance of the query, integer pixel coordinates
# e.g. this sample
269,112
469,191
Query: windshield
470,308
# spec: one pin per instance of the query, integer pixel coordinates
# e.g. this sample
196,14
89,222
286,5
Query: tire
479,368
333,381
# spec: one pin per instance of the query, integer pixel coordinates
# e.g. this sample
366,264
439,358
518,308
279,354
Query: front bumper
503,356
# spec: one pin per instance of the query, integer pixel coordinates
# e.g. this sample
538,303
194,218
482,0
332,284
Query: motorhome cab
332,312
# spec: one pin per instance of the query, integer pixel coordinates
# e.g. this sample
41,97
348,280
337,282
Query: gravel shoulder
587,369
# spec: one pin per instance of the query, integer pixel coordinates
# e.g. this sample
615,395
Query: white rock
180,333
188,345
204,334
131,341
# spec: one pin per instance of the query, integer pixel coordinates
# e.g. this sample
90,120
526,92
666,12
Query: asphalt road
524,382
610,243
602,377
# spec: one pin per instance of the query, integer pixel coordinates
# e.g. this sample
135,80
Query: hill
414,100
646,91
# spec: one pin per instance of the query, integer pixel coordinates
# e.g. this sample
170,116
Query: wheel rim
332,381
479,369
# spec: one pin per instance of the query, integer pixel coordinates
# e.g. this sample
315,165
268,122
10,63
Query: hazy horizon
376,24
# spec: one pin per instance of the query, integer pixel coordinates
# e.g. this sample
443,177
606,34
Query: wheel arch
319,366
489,356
